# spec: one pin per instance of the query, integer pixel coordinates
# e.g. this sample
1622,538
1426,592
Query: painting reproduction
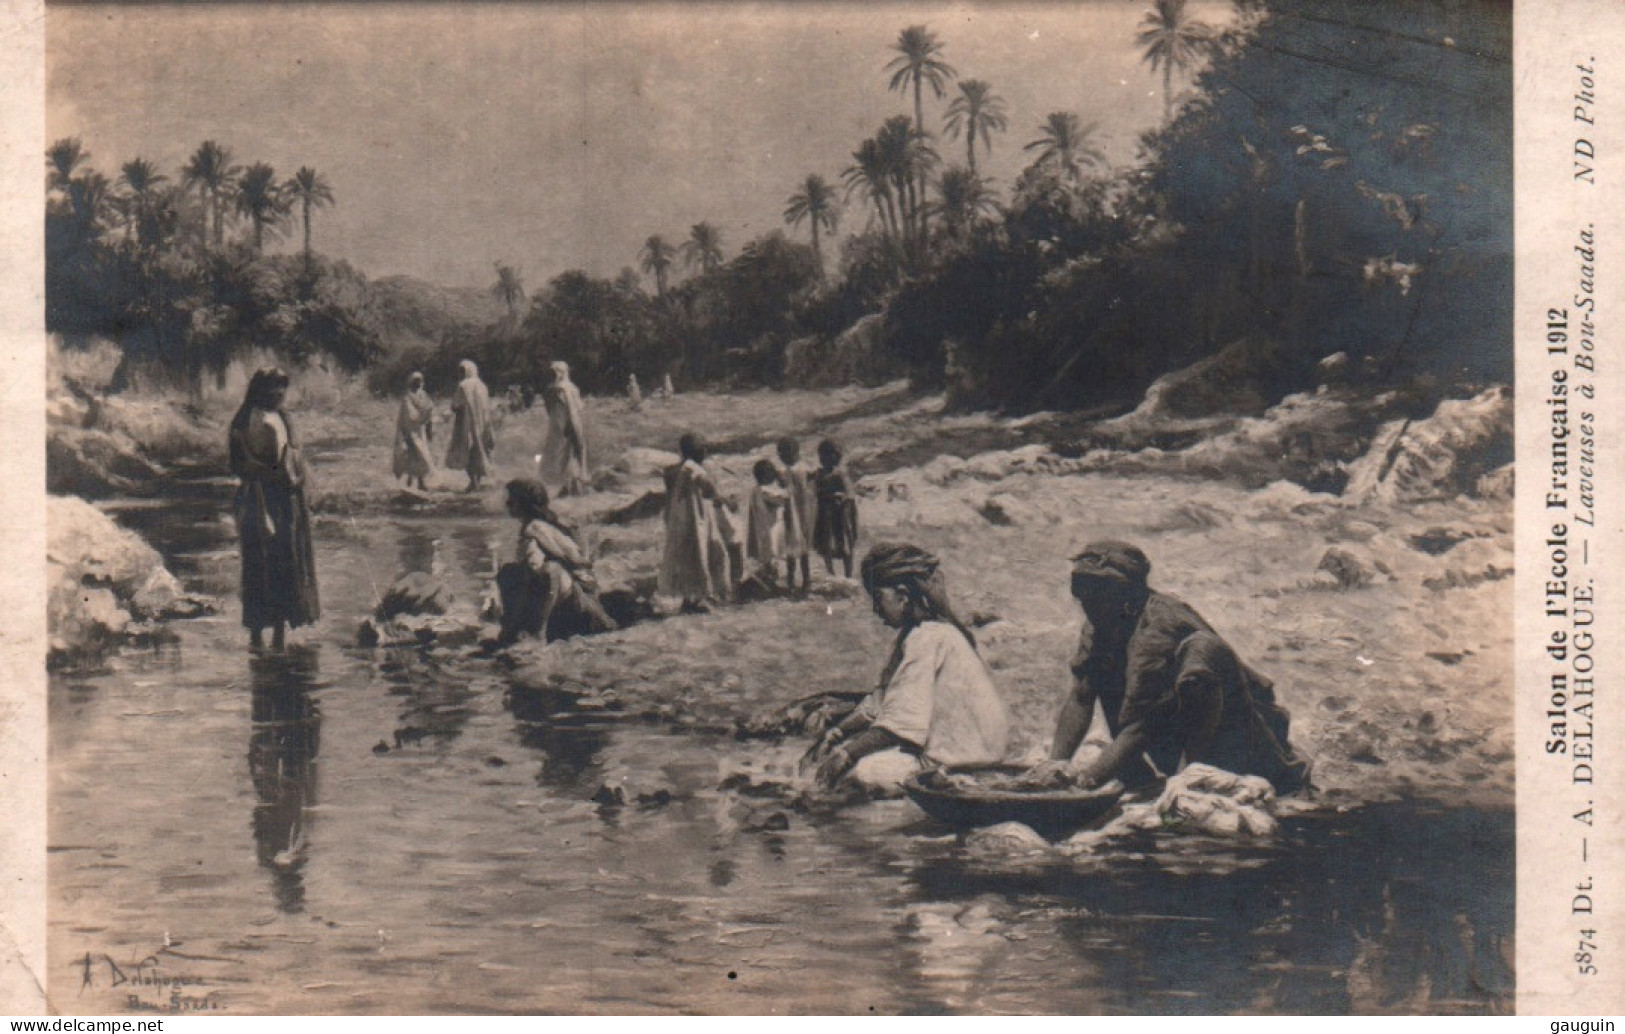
660,508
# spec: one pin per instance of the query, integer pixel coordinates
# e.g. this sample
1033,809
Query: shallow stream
340,830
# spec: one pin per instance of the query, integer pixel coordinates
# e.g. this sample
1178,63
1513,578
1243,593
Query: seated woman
936,699
1172,691
549,591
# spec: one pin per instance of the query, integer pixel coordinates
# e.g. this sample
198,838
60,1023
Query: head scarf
468,369
414,382
1111,561
561,369
918,573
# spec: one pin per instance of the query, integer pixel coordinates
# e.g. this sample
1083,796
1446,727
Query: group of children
794,511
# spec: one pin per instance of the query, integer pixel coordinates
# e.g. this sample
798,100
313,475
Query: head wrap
415,381
561,369
917,572
468,369
1110,562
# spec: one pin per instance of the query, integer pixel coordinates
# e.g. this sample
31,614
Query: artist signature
175,992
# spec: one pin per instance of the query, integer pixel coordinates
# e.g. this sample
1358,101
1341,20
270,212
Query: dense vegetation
1337,178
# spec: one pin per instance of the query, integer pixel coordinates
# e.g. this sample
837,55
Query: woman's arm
844,756
1129,744
1076,716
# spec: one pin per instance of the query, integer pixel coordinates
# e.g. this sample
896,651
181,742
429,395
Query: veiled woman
414,433
273,519
472,434
564,455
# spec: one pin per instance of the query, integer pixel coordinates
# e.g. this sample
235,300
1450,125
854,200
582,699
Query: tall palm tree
509,290
868,173
977,111
1173,41
142,179
211,174
703,247
261,201
62,161
962,198
815,202
916,64
1065,143
657,257
309,190
907,159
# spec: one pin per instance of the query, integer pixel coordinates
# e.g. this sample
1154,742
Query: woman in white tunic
564,455
414,433
936,700
694,566
472,434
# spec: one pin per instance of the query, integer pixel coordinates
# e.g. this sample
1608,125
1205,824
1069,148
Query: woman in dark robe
1173,692
273,519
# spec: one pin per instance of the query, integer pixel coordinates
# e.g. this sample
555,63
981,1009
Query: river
340,830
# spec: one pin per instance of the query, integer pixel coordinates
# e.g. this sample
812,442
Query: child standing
835,528
768,521
799,514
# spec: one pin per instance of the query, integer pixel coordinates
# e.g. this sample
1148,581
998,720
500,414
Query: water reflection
419,549
572,747
282,745
436,702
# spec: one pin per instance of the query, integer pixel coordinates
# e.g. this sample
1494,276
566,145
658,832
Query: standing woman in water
472,433
273,519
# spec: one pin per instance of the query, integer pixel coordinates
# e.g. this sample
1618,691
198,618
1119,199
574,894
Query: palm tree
907,160
141,178
91,195
976,111
704,247
657,257
815,201
211,173
310,190
1065,143
962,198
62,161
868,173
1173,41
916,64
261,201
509,290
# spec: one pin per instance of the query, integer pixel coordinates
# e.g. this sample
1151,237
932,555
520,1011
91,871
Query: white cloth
695,562
564,455
942,699
765,539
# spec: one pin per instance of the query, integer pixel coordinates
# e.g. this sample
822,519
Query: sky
560,136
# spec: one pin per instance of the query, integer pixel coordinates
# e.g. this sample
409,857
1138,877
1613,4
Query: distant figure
666,389
549,590
800,514
694,566
634,394
414,433
564,455
273,519
1171,690
472,435
768,519
835,526
936,701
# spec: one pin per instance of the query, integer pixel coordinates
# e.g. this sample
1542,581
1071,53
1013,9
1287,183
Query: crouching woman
549,590
936,701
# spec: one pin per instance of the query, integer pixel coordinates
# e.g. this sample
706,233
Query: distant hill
415,312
